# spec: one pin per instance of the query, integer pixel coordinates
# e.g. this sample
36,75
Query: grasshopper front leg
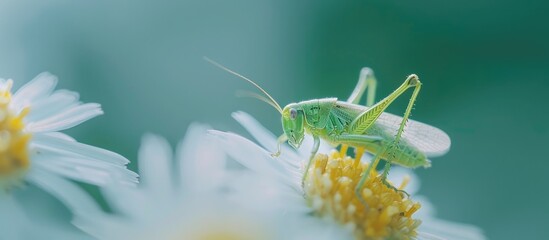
283,138
316,145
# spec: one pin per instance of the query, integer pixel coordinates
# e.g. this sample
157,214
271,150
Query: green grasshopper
366,128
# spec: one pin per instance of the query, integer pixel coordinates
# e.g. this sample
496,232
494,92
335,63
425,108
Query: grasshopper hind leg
414,81
366,119
343,150
359,152
366,80
384,175
365,174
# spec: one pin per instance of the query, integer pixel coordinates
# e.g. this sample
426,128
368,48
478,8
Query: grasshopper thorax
293,124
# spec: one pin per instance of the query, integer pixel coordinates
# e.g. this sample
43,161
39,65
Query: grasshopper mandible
366,128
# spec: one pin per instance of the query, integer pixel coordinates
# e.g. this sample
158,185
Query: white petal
67,118
127,201
292,161
315,228
86,170
269,141
76,199
41,86
266,195
107,227
155,165
451,230
60,136
200,161
59,101
266,138
397,175
428,236
255,158
427,209
70,148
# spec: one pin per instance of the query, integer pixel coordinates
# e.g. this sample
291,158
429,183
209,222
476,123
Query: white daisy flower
33,150
328,193
178,199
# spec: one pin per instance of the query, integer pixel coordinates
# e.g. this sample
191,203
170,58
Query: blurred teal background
483,64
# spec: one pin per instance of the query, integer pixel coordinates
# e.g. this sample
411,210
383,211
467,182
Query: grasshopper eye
293,113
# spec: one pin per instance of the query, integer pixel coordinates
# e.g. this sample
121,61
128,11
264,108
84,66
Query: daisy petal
264,136
451,230
41,86
200,162
87,170
67,192
66,119
71,148
280,197
254,157
125,200
91,176
155,161
398,174
59,101
59,135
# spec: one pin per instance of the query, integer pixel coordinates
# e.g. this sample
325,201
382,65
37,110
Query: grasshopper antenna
256,96
270,99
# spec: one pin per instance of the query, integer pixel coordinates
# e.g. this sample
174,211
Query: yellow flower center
225,228
382,213
224,236
14,154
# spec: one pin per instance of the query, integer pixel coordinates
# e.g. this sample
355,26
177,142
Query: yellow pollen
382,213
14,154
234,228
223,236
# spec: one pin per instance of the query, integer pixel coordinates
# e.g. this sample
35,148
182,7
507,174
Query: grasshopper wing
430,140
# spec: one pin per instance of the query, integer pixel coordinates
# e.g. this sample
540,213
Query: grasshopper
366,128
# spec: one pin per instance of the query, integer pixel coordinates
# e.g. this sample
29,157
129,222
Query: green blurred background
483,64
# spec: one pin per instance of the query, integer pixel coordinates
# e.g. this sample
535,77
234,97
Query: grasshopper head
293,118
293,121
